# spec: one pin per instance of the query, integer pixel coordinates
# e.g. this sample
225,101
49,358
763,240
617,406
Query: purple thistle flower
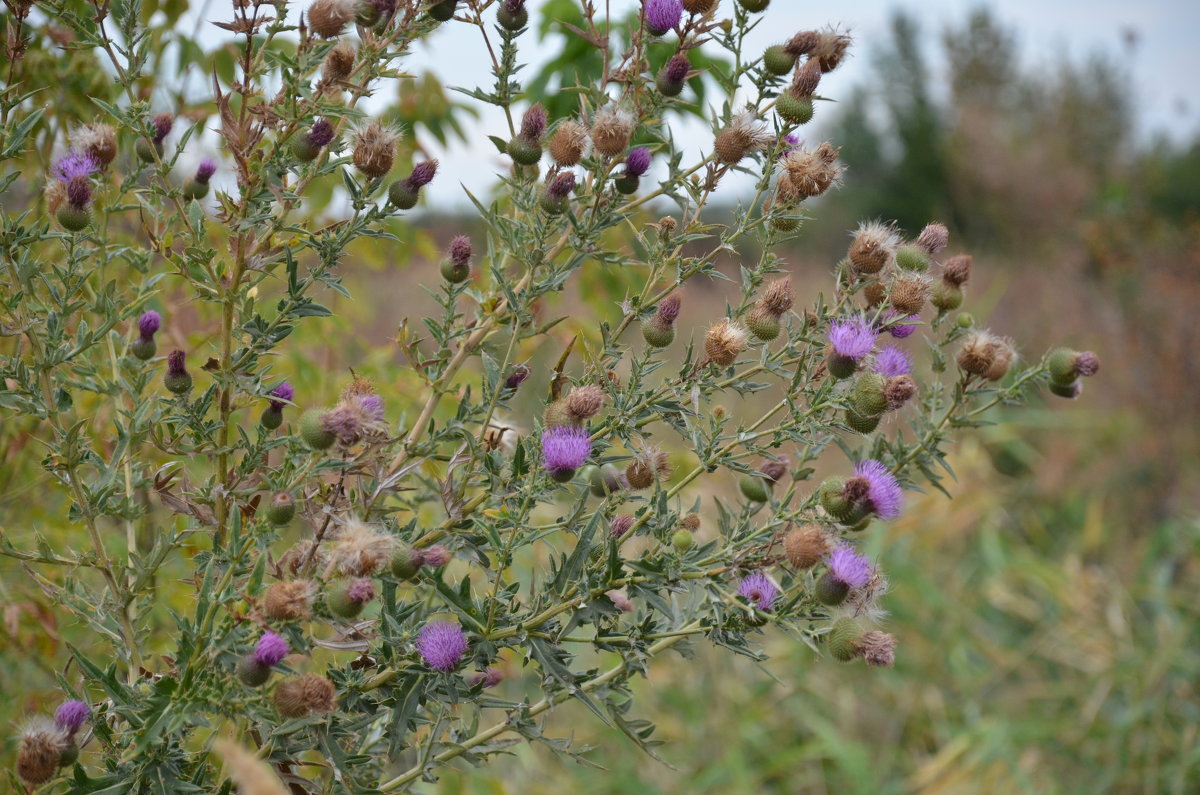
71,715
435,556
891,362
621,524
637,162
360,591
373,405
852,339
517,376
176,363
271,650
562,185
533,123
441,645
489,678
677,68
149,324
513,6
321,133
668,310
205,171
284,391
791,142
662,15
162,123
75,164
902,330
758,589
422,174
565,448
460,250
883,490
848,567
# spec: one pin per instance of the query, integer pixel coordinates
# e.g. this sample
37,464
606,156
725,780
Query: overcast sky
1165,67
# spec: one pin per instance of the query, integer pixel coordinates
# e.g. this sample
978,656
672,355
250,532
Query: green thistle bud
194,189
340,601
755,6
603,480
763,324
444,10
553,205
69,754
251,673
271,418
512,20
1069,391
844,638
282,509
147,149
964,320
657,334
912,258
403,195
859,422
754,488
840,366
313,431
73,219
406,562
833,499
794,109
303,149
144,349
1061,364
626,184
682,540
830,591
557,414
778,61
785,223
455,272
946,296
526,153
869,398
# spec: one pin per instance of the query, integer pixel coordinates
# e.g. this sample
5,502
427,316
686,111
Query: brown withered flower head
374,149
725,341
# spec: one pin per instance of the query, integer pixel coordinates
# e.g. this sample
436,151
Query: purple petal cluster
847,566
75,164
565,447
637,162
71,715
270,650
207,168
284,391
791,142
853,339
901,330
677,68
422,174
891,362
321,133
662,15
758,589
883,490
562,185
441,645
149,324
372,405
360,591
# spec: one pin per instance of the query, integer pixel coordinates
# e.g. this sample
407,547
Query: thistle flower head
289,600
270,649
339,62
1087,364
803,43
569,143
883,490
435,556
374,149
533,124
489,678
662,15
758,589
668,310
831,49
584,402
299,696
788,144
677,68
649,465
620,524
806,546
985,354
561,186
779,296
637,162
744,135
725,341
162,124
513,6
71,714
611,128
891,362
361,549
517,376
283,391
933,238
205,170
441,645
848,567
357,416
909,292
957,269
321,134
852,338
903,329
460,250
899,390
328,18
41,745
361,591
98,140
877,649
176,363
149,324
807,78
808,173
565,448
75,165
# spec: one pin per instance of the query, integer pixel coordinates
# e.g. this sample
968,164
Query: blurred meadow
1047,617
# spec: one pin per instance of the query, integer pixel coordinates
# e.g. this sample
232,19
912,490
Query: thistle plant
384,584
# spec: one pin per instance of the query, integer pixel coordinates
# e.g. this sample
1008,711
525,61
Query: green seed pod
512,21
840,366
832,500
794,109
73,219
844,638
778,61
402,195
682,540
912,258
303,150
754,488
1061,364
271,418
946,296
444,10
526,153
830,591
859,422
178,383
455,272
406,562
313,431
251,673
868,396
147,149
282,509
964,320
69,754
143,349
626,184
659,336
763,324
1069,391
194,189
604,480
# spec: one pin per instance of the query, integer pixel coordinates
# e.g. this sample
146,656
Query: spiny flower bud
512,15
620,524
844,638
690,522
374,149
555,195
762,323
933,238
682,540
637,163
603,480
806,546
745,134
314,431
406,561
659,330
148,149
1066,365
97,140
775,471
873,247
289,600
443,10
909,292
328,18
583,403
526,147
569,143
912,258
861,423
197,187
611,129
957,269
755,488
517,376
177,380
347,598
661,15
831,50
868,397
777,60
755,6
794,108
308,145
254,668
673,75
946,296
300,696
144,347
806,80
38,754
724,342
281,509
272,417
339,62
458,266
405,192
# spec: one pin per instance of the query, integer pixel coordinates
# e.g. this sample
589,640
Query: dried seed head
779,296
806,546
651,464
374,149
899,390
699,6
957,269
877,649
584,402
339,62
807,78
98,140
774,471
831,50
569,143
803,43
724,342
298,696
690,522
864,600
611,129
360,549
808,172
289,600
328,18
745,134
42,742
909,292
1006,355
985,354
933,238
873,247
